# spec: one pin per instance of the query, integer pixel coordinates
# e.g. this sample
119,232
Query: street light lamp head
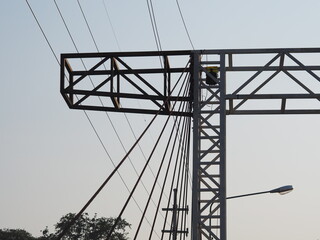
282,190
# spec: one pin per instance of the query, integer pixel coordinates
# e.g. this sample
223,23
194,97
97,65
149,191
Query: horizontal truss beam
272,112
117,78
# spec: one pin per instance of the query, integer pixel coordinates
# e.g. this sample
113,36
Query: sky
51,161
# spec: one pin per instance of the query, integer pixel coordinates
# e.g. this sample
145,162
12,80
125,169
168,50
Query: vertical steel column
223,184
195,231
209,150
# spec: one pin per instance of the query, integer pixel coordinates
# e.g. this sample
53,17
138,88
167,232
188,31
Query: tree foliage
15,234
85,228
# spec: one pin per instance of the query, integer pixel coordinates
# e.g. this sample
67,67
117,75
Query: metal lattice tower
228,94
209,126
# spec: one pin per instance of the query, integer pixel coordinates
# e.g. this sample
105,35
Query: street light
281,190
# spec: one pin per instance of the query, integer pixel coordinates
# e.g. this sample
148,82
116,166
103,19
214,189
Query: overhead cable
111,122
181,108
176,170
165,178
154,25
110,22
130,125
155,29
184,24
87,116
178,138
115,169
43,33
143,170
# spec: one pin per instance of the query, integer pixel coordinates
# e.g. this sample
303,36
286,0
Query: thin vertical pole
223,212
195,231
174,215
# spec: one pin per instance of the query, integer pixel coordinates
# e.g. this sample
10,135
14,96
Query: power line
181,108
149,158
166,175
176,168
113,127
184,24
43,33
70,35
158,43
116,170
92,36
96,132
84,16
115,36
112,28
55,56
154,25
87,116
66,26
105,182
185,27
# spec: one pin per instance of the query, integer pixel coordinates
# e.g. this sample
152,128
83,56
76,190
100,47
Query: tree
15,234
86,228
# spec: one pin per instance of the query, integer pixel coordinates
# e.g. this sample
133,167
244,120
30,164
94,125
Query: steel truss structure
249,81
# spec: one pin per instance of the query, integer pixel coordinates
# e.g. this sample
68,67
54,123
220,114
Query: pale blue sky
51,161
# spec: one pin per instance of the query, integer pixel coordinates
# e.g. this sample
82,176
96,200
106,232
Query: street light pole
281,190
